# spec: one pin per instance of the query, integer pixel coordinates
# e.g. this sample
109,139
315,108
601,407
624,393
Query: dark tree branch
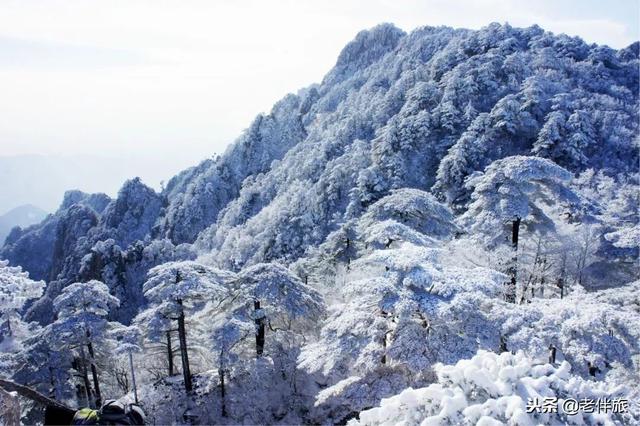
31,394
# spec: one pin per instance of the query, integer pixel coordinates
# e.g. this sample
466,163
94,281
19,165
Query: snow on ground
492,389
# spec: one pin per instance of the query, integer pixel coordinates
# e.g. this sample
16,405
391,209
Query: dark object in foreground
31,394
54,415
111,413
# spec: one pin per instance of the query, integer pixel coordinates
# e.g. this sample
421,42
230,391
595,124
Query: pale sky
182,79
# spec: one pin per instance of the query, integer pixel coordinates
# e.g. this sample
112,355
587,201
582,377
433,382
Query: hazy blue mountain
89,173
22,216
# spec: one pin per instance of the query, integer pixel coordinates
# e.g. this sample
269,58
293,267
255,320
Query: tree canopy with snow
16,289
517,189
82,310
185,281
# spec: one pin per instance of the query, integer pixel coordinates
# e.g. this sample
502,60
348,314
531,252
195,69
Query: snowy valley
442,229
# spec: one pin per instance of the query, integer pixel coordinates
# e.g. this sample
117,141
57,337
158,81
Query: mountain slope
439,106
423,110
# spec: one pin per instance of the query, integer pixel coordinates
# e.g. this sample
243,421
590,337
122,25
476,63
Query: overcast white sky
181,79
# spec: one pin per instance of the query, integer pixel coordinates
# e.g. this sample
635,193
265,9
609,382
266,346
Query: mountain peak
367,47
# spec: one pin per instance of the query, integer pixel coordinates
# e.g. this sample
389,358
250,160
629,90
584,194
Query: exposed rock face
132,215
39,248
94,237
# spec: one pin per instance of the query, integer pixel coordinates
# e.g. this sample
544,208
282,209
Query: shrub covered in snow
492,389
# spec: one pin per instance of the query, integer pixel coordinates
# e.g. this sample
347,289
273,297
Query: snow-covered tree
227,334
157,323
414,208
391,295
182,285
45,365
606,251
513,192
469,154
552,138
621,219
580,320
16,288
567,140
276,299
400,311
82,310
256,331
128,343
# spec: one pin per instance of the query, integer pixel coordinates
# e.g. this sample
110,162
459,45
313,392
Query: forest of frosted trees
411,239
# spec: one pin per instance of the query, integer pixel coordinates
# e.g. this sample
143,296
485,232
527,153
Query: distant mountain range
41,180
22,216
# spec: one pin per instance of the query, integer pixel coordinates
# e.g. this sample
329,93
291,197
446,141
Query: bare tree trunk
260,330
503,345
584,253
169,353
133,377
85,378
384,349
182,335
510,294
383,359
223,402
94,375
94,371
531,281
563,271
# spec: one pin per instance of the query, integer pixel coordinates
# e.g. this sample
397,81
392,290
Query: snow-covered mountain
404,181
422,110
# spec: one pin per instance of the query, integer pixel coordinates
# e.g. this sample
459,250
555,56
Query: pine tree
511,192
181,285
280,301
82,310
